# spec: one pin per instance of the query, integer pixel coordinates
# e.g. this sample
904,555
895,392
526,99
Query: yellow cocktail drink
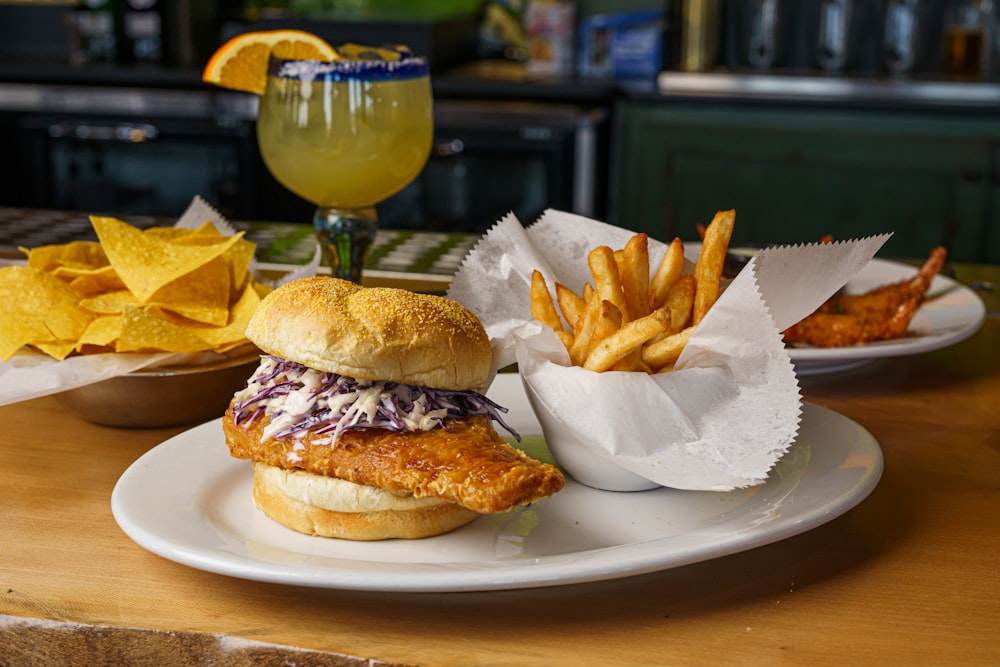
345,134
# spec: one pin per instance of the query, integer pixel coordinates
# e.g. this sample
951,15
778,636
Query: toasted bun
373,333
329,507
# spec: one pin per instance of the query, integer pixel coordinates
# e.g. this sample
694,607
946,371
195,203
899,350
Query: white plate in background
951,313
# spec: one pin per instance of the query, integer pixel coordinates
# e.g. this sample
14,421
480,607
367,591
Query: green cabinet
794,174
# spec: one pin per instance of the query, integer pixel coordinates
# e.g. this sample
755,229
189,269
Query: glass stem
345,235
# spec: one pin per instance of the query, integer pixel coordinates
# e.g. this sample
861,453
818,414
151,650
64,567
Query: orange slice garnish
241,63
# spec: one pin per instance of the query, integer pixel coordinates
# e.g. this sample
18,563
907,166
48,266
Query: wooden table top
909,576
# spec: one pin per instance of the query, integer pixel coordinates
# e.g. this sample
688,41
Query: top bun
373,333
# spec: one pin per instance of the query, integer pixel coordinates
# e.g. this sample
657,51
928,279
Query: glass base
345,235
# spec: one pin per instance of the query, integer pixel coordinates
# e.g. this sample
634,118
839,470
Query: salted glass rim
404,68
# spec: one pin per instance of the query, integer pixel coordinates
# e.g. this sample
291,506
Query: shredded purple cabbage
397,400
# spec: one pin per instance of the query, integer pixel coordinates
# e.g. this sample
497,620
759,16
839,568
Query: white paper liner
728,411
31,374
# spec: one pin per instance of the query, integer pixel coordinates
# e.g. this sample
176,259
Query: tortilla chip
68,322
103,331
239,256
147,263
79,254
143,333
37,308
109,303
234,333
206,233
98,281
202,295
58,350
165,233
14,335
262,289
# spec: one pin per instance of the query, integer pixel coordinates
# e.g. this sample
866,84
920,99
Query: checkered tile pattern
282,243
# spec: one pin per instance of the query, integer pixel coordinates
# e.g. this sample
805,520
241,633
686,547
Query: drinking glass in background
834,39
763,46
968,27
346,135
900,35
759,24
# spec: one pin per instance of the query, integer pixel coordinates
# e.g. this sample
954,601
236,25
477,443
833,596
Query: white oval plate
188,501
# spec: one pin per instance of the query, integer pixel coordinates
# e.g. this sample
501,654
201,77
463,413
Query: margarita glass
346,135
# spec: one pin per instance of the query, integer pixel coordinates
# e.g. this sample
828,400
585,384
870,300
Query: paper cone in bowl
724,415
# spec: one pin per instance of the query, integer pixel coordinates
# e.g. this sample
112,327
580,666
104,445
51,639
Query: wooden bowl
164,396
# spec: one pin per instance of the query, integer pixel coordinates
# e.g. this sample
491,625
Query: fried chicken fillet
464,462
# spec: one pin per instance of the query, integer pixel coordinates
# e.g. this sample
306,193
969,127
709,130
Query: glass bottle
762,33
833,40
899,38
700,24
97,25
144,30
968,25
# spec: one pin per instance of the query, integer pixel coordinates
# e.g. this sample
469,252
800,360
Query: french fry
542,308
607,281
708,268
608,322
566,338
632,363
585,331
571,304
634,270
630,337
587,292
680,301
665,351
667,273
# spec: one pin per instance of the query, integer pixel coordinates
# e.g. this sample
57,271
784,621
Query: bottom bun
278,494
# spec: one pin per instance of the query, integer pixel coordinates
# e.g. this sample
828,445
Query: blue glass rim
411,67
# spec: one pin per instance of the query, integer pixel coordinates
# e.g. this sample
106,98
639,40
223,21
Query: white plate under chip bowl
188,501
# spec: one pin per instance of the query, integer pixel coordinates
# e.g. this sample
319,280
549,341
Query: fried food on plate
883,313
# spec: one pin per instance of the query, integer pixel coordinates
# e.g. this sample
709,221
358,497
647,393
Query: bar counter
909,576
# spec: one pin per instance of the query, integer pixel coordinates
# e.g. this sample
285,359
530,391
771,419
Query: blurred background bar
809,117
